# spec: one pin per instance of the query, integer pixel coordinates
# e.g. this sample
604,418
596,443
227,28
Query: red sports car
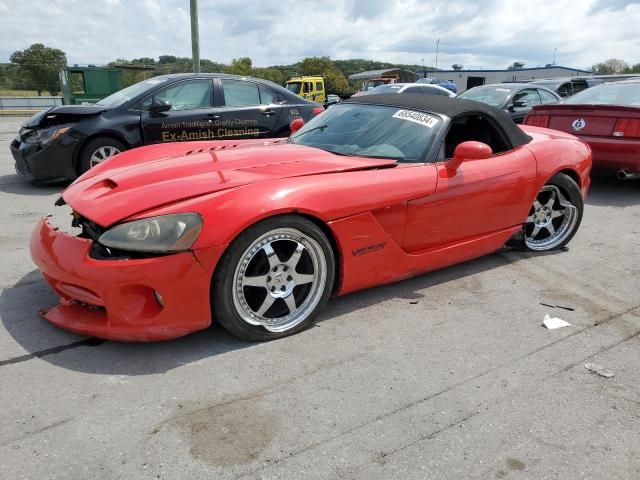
257,235
607,117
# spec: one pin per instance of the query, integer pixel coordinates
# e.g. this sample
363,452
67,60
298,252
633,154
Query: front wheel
274,279
98,150
555,215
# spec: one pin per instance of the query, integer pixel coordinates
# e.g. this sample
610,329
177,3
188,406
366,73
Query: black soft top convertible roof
451,107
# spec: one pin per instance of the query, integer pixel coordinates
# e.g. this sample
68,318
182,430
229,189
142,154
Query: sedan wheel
97,151
554,216
283,272
102,154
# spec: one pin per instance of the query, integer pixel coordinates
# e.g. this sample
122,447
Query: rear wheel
555,215
274,279
98,150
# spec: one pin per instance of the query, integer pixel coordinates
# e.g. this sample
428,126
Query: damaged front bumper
145,299
45,162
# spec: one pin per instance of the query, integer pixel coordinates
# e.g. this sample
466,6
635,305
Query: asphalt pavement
447,375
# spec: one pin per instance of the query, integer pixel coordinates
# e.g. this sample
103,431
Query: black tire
570,190
94,145
224,308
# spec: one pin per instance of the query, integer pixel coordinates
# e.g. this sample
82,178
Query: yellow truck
309,87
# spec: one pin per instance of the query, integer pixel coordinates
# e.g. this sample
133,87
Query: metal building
466,79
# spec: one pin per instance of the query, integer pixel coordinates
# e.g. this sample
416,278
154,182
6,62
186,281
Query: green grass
20,93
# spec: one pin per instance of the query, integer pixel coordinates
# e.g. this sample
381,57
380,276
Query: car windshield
389,88
371,84
294,87
491,95
608,94
129,93
371,131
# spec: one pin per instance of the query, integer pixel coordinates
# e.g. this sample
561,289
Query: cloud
488,34
366,9
600,5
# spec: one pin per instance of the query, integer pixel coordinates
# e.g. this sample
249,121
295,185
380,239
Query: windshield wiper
319,127
342,154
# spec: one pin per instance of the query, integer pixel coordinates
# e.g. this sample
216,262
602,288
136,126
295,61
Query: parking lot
447,375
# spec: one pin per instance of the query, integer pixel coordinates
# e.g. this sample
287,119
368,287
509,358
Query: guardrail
28,103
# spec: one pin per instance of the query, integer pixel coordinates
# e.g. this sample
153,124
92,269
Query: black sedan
514,98
567,86
63,142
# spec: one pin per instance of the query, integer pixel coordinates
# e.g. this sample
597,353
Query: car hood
126,188
62,114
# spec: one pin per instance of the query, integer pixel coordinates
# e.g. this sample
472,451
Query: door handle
213,115
268,112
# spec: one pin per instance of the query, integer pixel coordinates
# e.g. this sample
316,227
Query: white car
420,88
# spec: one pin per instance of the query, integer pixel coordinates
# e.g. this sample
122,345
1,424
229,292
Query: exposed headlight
45,135
162,234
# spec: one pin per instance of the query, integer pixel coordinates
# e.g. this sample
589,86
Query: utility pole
554,56
437,44
195,37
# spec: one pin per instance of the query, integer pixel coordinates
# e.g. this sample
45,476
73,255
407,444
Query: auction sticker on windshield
416,117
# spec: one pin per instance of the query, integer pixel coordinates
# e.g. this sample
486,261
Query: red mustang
259,234
607,118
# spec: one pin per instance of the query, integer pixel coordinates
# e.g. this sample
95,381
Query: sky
477,34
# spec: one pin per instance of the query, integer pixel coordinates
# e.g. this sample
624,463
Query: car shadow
608,191
17,186
18,313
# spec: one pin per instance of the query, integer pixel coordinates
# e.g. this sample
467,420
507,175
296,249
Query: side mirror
520,104
296,125
158,106
468,151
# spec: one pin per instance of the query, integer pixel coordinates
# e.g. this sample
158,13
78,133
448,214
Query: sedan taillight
627,127
317,110
537,121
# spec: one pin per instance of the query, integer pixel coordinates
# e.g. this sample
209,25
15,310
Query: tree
240,66
207,66
334,79
144,61
167,59
270,73
633,69
611,66
40,66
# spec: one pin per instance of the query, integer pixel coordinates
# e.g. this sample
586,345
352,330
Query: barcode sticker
416,117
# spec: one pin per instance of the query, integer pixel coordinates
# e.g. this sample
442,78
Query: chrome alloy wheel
279,280
102,154
551,220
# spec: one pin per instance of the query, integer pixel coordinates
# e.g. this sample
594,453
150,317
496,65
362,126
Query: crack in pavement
602,350
494,404
437,394
38,430
89,342
428,436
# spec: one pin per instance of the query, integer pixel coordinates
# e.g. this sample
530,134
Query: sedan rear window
389,88
491,95
608,94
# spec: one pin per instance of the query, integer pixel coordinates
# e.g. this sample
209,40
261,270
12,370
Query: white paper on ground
599,369
555,322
